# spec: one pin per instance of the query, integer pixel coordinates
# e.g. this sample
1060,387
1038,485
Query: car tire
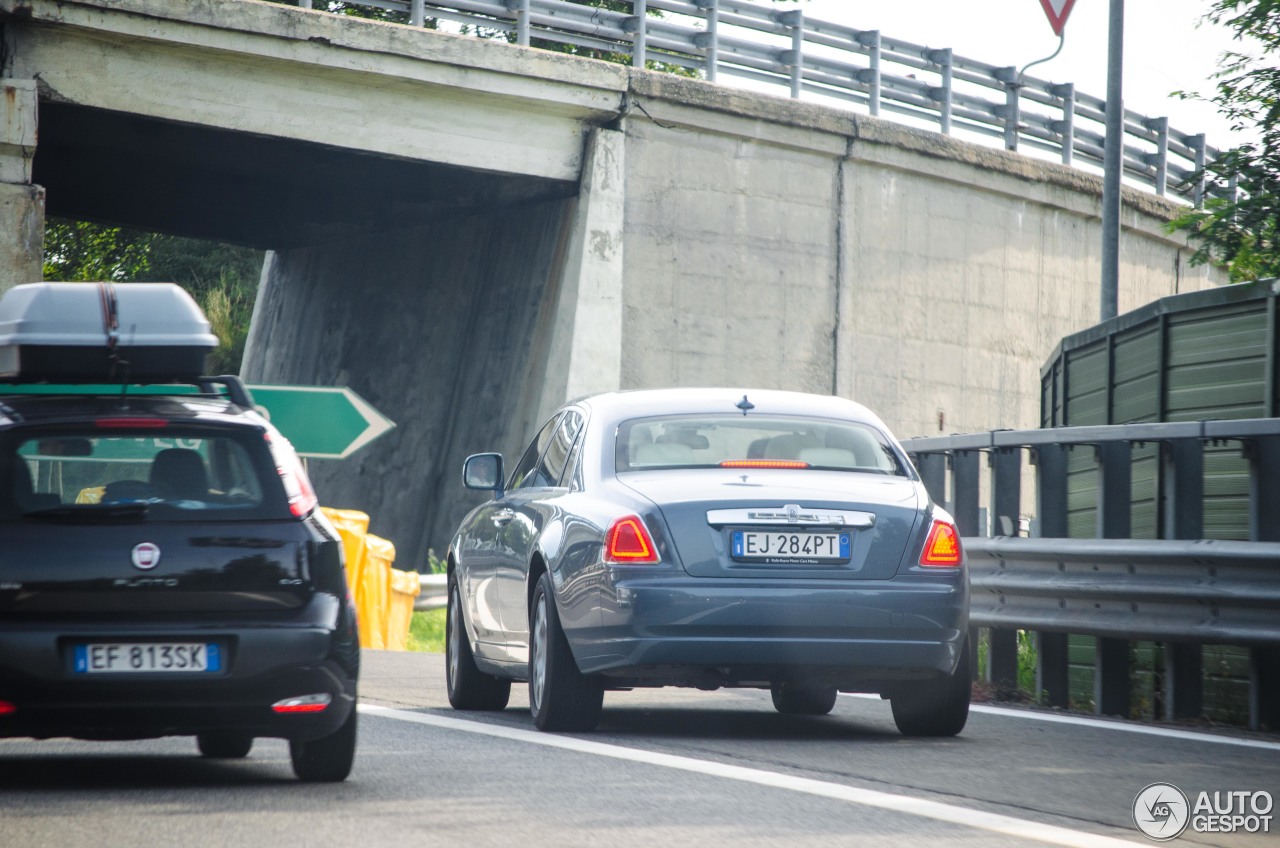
794,699
935,707
561,698
224,746
469,687
327,759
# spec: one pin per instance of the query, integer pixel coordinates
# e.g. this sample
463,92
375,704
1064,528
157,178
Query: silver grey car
709,538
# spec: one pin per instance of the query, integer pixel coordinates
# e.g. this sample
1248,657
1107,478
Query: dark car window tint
572,476
556,456
188,476
521,477
708,441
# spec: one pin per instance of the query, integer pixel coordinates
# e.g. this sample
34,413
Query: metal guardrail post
1012,106
872,41
1197,143
1111,682
1006,504
1006,491
1067,126
1263,453
416,15
1182,463
639,46
522,23
932,468
945,59
1264,688
1161,127
709,40
965,505
1051,490
794,57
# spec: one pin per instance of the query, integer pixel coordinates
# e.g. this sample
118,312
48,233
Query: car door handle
503,517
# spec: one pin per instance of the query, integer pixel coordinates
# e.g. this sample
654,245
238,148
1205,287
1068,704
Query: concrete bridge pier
466,331
21,202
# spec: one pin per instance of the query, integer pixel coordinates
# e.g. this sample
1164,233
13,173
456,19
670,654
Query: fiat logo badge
146,556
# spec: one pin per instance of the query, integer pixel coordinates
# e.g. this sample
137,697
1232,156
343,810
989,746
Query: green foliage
426,631
222,278
1240,233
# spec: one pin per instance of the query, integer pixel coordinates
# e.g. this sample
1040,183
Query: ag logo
1161,812
146,556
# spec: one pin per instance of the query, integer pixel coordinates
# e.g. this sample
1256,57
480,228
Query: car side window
556,456
572,477
522,476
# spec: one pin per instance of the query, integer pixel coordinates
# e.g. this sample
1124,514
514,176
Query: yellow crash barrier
383,596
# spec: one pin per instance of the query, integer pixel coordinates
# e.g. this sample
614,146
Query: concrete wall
444,329
785,245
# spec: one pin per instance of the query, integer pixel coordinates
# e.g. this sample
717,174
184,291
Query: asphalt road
666,767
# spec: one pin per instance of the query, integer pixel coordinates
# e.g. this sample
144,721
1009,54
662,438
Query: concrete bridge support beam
21,203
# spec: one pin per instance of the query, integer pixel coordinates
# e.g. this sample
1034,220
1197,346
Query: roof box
102,332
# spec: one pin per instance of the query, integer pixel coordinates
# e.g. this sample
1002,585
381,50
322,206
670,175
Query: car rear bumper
857,634
266,662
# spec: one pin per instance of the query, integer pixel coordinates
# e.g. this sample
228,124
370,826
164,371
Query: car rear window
185,475
753,441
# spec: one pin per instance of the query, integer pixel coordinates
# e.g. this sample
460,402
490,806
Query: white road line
1113,724
992,822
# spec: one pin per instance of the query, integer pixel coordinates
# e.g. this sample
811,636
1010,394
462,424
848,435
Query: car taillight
942,548
7,708
297,488
627,541
763,463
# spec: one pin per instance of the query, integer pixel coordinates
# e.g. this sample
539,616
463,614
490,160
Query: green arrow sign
322,422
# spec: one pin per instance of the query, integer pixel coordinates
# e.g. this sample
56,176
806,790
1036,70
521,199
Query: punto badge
146,556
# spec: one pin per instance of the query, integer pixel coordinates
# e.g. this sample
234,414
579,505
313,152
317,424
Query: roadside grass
426,631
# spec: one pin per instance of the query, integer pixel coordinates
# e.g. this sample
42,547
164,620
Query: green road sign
322,422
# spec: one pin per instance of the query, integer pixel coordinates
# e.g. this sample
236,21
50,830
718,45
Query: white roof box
102,332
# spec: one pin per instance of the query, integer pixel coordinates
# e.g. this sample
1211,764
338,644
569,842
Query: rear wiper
94,512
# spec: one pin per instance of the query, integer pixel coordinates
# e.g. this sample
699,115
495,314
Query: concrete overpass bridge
468,232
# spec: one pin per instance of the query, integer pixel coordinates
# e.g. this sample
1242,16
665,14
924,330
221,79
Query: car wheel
560,696
469,687
327,759
224,746
794,699
935,707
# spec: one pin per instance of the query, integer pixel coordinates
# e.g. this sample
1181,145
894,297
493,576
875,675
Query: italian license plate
790,546
146,657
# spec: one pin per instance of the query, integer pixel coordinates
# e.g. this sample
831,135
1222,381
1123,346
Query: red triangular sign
1057,10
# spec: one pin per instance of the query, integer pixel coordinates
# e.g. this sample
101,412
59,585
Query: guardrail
864,68
1180,590
434,594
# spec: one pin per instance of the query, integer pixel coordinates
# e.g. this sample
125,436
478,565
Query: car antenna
745,405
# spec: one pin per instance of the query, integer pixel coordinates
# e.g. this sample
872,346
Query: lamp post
1113,163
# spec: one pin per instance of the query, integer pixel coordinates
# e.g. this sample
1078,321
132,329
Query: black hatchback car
164,571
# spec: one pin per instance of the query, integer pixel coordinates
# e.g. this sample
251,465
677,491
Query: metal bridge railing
1181,590
815,58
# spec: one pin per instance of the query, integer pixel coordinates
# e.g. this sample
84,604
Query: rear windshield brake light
142,423
763,463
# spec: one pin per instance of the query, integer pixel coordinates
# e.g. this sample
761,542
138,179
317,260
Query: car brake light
304,704
297,488
942,548
628,541
763,463
7,708
147,423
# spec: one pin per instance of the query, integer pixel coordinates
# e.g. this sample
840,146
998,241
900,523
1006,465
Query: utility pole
1113,163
